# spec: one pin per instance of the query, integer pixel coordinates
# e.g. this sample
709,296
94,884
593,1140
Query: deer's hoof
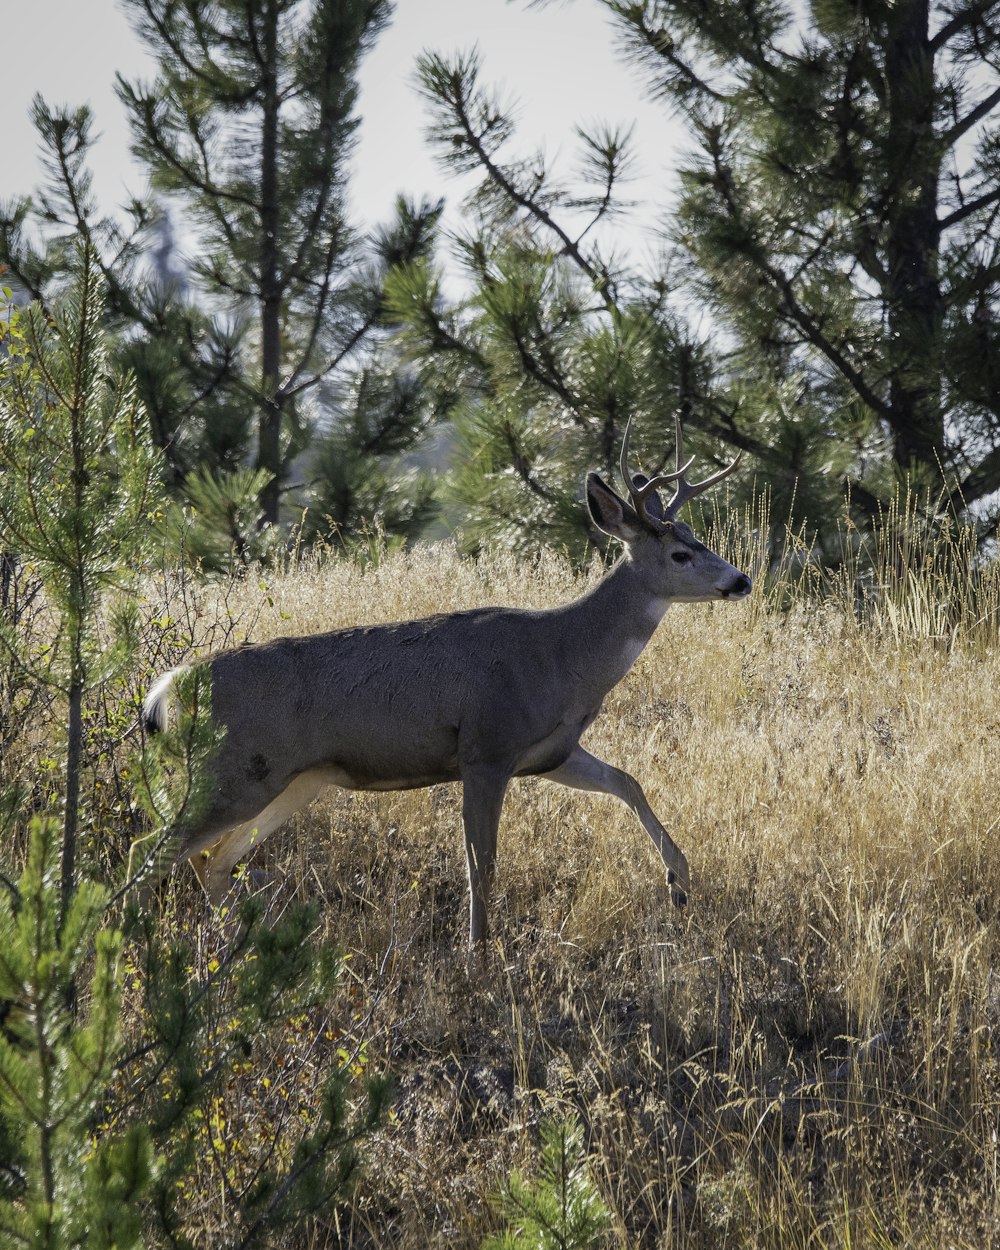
678,895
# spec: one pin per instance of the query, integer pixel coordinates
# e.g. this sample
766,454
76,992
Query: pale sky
559,61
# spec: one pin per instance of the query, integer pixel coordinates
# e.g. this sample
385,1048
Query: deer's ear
610,512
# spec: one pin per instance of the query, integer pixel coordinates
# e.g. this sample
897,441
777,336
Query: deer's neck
607,628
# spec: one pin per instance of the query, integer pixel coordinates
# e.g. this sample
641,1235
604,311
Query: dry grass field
808,1055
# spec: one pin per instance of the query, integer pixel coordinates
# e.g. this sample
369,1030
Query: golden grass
806,1056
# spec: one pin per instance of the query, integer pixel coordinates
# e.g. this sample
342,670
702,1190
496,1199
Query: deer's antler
639,494
685,490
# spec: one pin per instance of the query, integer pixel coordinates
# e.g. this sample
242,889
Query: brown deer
478,696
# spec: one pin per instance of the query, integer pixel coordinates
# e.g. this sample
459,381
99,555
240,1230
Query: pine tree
249,126
79,489
78,499
842,218
66,1188
187,362
559,342
559,1208
101,1121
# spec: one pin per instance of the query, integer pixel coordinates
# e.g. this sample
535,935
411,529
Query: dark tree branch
661,43
500,178
962,20
975,115
981,481
289,392
970,208
793,309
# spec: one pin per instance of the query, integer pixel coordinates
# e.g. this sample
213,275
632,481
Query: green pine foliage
559,1207
79,500
240,297
68,1186
838,217
188,361
81,479
557,344
366,477
247,129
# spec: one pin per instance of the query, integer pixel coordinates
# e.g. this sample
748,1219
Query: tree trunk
914,304
269,437
71,816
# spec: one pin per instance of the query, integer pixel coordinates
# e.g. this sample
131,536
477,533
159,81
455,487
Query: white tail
479,697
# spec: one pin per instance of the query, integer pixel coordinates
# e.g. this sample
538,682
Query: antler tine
638,494
688,490
679,444
623,458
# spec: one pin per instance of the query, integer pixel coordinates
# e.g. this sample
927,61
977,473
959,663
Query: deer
479,696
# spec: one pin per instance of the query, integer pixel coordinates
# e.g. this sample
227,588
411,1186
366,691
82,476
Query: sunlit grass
805,1056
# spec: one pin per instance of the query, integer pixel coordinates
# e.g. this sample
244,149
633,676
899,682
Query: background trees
78,500
557,342
246,133
837,222
249,124
841,214
825,299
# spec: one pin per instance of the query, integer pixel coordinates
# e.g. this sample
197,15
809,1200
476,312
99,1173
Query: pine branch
144,108
723,184
454,96
334,361
545,377
969,208
972,118
175,43
972,15
522,466
661,44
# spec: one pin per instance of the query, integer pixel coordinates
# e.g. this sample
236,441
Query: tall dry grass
806,1056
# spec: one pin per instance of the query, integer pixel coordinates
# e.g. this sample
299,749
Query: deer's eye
681,557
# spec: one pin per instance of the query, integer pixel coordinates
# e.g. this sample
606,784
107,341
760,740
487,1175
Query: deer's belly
397,783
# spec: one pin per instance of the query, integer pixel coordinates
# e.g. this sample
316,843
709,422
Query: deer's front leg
482,801
583,771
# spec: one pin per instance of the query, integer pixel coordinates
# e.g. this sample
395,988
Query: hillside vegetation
804,1056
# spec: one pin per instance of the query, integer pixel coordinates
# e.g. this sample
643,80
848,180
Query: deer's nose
738,588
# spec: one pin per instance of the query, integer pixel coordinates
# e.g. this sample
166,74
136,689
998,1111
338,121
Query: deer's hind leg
482,800
214,865
583,771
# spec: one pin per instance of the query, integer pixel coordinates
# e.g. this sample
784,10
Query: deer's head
677,565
